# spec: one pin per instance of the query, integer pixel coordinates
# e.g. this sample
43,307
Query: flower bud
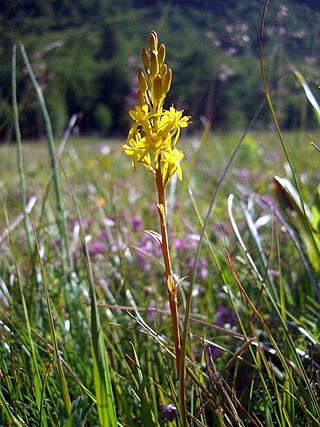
157,87
145,59
153,41
163,70
169,412
143,85
154,66
166,84
161,54
141,98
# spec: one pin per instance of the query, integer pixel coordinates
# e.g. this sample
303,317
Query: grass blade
184,340
276,123
101,373
65,398
38,381
146,413
309,94
51,146
19,146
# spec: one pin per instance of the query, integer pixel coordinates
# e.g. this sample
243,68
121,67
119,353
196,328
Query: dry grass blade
313,412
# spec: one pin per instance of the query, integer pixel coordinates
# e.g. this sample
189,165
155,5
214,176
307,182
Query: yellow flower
153,137
171,122
171,165
137,149
140,114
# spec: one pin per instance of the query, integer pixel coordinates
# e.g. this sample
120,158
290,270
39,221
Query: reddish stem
172,290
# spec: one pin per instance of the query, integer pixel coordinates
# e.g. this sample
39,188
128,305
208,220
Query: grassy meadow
138,299
89,320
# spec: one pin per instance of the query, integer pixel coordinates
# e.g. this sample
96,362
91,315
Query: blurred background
86,54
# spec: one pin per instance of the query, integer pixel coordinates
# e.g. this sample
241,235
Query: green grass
253,348
86,335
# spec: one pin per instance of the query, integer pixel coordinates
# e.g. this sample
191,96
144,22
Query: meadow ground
253,342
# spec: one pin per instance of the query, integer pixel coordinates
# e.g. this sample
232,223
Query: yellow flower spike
152,141
153,137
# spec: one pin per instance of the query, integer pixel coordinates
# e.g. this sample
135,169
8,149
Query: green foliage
141,373
103,117
307,226
312,100
305,219
82,55
86,339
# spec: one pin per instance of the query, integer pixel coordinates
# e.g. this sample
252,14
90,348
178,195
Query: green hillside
86,55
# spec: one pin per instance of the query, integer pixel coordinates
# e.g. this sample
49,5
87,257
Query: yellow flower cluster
153,137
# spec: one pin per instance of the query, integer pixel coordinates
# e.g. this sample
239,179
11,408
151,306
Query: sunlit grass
127,272
87,335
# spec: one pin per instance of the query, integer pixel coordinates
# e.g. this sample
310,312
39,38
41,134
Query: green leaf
315,210
101,373
290,202
309,94
146,413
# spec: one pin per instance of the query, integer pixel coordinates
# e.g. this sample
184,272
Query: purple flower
136,223
103,235
225,315
151,312
104,149
83,221
145,247
202,269
212,351
270,201
96,247
274,155
187,242
181,244
169,412
143,250
75,226
109,222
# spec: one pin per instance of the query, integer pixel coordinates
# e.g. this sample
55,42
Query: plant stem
172,293
19,147
172,290
22,182
54,164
